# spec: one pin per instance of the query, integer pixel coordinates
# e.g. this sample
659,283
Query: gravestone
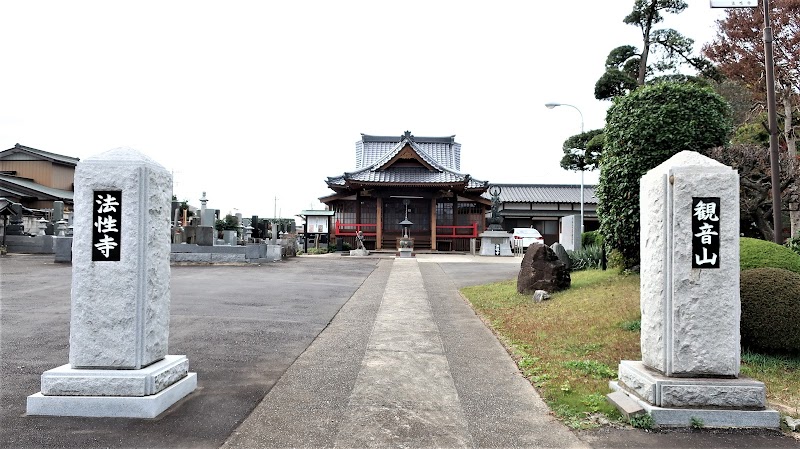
58,211
690,301
15,226
119,325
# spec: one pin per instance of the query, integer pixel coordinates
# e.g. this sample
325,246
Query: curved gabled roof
406,163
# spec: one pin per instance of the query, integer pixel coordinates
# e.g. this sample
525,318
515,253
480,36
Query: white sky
253,100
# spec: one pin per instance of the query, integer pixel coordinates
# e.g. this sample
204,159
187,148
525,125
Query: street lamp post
553,105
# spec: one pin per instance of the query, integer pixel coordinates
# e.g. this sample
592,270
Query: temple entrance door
419,213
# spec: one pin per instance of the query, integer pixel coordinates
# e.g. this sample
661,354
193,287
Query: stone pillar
690,300
58,211
203,207
119,363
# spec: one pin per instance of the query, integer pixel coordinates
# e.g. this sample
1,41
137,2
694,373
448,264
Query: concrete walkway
405,363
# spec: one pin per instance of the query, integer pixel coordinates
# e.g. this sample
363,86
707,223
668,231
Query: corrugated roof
545,193
39,154
26,183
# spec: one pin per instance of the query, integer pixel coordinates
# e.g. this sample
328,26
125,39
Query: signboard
107,225
734,3
705,232
317,224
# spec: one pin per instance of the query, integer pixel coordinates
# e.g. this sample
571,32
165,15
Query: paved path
405,363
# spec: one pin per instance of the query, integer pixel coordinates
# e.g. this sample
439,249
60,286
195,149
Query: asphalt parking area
241,327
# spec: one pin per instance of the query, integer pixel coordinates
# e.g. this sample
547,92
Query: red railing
452,232
351,229
370,229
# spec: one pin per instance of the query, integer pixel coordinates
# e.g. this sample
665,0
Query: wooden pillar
358,207
378,223
433,223
455,210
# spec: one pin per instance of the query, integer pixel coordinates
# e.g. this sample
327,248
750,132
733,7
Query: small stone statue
360,240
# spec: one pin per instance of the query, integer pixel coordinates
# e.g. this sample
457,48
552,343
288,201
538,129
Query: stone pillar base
405,253
359,252
274,253
717,402
489,240
142,393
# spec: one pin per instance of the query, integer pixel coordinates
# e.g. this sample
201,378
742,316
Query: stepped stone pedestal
495,243
119,325
690,301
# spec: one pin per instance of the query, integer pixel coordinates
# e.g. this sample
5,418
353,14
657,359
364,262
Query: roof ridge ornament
408,135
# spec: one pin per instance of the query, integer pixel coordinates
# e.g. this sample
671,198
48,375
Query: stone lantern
406,243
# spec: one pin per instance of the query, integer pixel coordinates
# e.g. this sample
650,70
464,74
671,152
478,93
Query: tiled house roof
545,193
445,150
14,186
384,160
23,153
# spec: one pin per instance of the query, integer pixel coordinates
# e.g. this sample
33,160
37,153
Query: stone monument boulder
561,252
541,269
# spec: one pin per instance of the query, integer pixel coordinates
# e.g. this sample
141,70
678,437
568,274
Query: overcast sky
256,100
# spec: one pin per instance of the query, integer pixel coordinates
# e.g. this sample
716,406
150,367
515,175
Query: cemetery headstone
15,226
58,211
690,301
119,365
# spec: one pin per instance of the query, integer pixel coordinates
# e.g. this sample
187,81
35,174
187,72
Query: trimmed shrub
644,129
591,238
754,253
770,310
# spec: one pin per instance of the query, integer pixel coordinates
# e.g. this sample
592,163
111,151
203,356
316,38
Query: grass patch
780,373
632,326
570,346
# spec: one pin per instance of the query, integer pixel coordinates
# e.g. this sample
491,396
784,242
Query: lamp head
551,105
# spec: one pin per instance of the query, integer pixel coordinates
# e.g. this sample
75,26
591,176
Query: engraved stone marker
119,324
690,300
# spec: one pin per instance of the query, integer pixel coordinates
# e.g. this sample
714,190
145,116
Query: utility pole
773,128
772,116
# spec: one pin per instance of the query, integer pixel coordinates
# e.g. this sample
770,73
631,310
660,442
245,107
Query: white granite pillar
690,300
119,324
690,315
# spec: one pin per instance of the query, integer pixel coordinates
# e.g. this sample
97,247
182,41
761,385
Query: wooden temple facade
417,176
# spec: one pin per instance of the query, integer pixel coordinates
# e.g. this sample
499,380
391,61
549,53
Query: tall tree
582,151
755,184
644,129
646,14
738,51
627,67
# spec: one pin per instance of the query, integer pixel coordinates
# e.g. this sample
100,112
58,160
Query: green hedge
770,310
754,253
591,238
